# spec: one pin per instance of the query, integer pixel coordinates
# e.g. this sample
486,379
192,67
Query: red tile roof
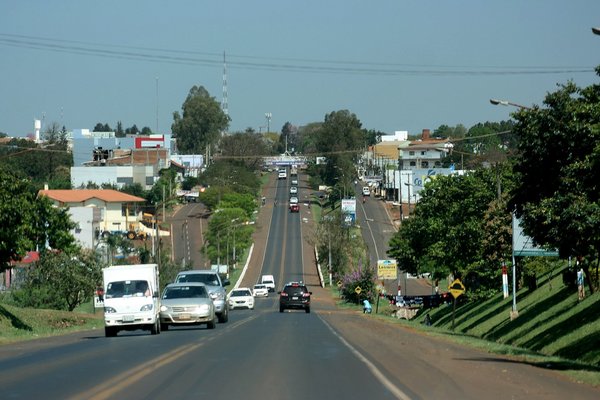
82,195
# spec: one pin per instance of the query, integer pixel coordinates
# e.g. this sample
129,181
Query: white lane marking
395,390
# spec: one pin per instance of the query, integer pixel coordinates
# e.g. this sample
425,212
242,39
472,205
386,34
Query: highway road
331,353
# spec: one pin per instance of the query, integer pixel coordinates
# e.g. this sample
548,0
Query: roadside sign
357,290
456,288
387,270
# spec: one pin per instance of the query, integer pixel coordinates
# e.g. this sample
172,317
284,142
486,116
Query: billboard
349,211
523,245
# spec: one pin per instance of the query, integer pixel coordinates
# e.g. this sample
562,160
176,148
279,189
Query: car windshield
260,287
295,290
184,292
241,293
207,279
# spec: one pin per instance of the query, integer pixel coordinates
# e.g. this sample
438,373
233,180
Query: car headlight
109,310
147,307
203,308
217,296
165,308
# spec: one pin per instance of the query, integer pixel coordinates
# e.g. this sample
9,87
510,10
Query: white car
268,281
240,298
293,200
293,190
294,182
260,290
366,191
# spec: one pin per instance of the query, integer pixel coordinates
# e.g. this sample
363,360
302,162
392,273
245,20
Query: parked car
240,298
214,285
260,290
186,304
294,295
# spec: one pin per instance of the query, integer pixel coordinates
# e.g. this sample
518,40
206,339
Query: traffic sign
357,290
456,288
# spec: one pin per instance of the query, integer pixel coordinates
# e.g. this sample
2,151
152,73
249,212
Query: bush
363,278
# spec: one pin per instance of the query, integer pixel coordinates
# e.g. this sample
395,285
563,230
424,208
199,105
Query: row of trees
548,165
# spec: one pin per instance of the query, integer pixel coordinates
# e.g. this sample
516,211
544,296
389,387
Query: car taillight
305,294
284,294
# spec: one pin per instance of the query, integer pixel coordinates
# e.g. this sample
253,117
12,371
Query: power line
187,57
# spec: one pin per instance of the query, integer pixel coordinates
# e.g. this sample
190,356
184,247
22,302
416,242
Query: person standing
580,286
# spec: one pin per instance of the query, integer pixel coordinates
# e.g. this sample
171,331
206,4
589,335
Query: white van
282,174
268,281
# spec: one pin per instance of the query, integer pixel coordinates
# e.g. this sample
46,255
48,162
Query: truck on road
131,298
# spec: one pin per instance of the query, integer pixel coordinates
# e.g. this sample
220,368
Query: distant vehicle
294,200
260,290
295,207
294,182
366,191
294,295
240,298
214,285
269,282
282,174
186,304
131,298
293,190
294,170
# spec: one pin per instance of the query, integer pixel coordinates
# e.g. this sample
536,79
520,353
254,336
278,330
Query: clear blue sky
396,64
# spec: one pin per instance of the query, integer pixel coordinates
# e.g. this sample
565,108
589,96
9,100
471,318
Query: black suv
294,295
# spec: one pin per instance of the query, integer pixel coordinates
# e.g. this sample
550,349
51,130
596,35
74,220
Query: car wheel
224,317
281,309
164,327
155,330
211,324
308,310
110,331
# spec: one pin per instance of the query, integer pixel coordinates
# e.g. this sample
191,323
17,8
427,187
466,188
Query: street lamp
497,102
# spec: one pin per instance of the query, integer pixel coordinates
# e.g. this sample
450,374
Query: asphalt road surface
330,353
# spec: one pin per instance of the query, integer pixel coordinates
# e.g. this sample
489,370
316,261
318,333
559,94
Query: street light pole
408,185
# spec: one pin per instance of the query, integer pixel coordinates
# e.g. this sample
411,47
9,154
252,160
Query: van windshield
127,289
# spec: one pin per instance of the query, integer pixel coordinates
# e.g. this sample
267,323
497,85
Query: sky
398,65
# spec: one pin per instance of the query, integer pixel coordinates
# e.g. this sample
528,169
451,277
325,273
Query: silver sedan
186,304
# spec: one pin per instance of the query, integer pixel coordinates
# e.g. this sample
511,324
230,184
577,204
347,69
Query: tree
28,222
60,281
119,132
445,232
244,148
146,131
133,130
558,195
201,122
100,127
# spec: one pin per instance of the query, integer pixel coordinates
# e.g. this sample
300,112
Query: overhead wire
188,57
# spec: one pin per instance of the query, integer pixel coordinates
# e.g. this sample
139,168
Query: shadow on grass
563,365
532,312
14,320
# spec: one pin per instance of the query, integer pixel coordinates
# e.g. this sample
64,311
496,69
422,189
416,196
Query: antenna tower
224,105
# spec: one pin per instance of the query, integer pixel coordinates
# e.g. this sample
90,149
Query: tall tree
247,148
558,195
201,123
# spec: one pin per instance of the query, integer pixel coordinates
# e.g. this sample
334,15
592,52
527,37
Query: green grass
19,324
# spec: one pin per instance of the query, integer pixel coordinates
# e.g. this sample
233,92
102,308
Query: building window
413,164
423,153
411,153
424,164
